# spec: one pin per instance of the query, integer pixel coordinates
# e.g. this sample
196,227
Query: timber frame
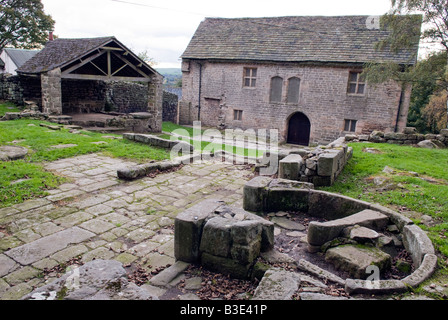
99,59
111,61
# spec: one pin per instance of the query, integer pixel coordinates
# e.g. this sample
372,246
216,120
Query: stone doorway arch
299,128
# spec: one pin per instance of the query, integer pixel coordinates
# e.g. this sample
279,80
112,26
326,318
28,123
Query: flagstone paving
98,216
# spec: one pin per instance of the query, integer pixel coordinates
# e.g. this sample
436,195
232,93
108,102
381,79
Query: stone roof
20,56
345,39
60,52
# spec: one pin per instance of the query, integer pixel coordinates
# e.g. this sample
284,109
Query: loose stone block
254,193
216,238
355,259
277,284
322,232
188,229
289,167
245,232
326,164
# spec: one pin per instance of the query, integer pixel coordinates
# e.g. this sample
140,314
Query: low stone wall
263,195
409,136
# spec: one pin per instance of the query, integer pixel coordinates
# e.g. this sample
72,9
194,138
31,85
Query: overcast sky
164,28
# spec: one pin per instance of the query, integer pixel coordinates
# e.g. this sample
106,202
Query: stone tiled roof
336,39
61,52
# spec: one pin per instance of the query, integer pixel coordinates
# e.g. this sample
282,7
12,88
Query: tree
435,31
435,111
427,76
144,55
23,24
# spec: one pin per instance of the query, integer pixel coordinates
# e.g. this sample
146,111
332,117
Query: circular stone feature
12,152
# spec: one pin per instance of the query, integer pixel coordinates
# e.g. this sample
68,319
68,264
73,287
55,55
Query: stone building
300,75
11,59
91,75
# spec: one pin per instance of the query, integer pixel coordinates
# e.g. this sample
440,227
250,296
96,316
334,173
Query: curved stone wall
264,194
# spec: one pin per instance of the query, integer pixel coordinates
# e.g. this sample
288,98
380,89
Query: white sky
164,28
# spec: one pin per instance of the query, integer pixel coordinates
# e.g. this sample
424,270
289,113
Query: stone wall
126,97
323,99
319,166
86,96
408,136
81,96
170,101
18,89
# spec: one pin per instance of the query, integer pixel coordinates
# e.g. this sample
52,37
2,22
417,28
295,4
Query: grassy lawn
417,186
40,141
7,107
205,145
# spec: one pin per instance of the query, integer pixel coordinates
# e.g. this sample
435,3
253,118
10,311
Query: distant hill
171,75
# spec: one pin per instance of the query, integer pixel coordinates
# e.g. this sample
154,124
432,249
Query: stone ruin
221,238
355,237
320,165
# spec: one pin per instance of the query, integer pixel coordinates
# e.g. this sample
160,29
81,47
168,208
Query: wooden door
299,129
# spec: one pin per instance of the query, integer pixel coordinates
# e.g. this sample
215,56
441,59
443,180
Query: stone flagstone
46,246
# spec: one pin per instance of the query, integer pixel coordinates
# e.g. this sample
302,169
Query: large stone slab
12,152
322,232
356,258
277,284
46,246
95,280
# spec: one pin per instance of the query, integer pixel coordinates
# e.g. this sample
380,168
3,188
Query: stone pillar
155,103
51,92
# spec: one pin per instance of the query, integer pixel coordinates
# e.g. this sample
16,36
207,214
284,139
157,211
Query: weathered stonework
323,99
51,92
224,239
408,136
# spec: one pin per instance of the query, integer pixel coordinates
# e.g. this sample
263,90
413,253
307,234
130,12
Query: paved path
99,216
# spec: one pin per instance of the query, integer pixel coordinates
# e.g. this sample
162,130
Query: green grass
418,186
7,107
205,145
39,140
29,133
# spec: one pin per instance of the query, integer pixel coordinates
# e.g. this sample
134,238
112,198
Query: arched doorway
299,129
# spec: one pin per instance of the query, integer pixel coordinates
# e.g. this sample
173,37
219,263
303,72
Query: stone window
276,89
237,114
350,125
293,90
356,83
250,77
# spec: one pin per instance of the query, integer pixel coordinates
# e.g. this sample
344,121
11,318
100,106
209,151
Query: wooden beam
109,66
101,70
112,48
131,65
118,70
96,55
104,78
